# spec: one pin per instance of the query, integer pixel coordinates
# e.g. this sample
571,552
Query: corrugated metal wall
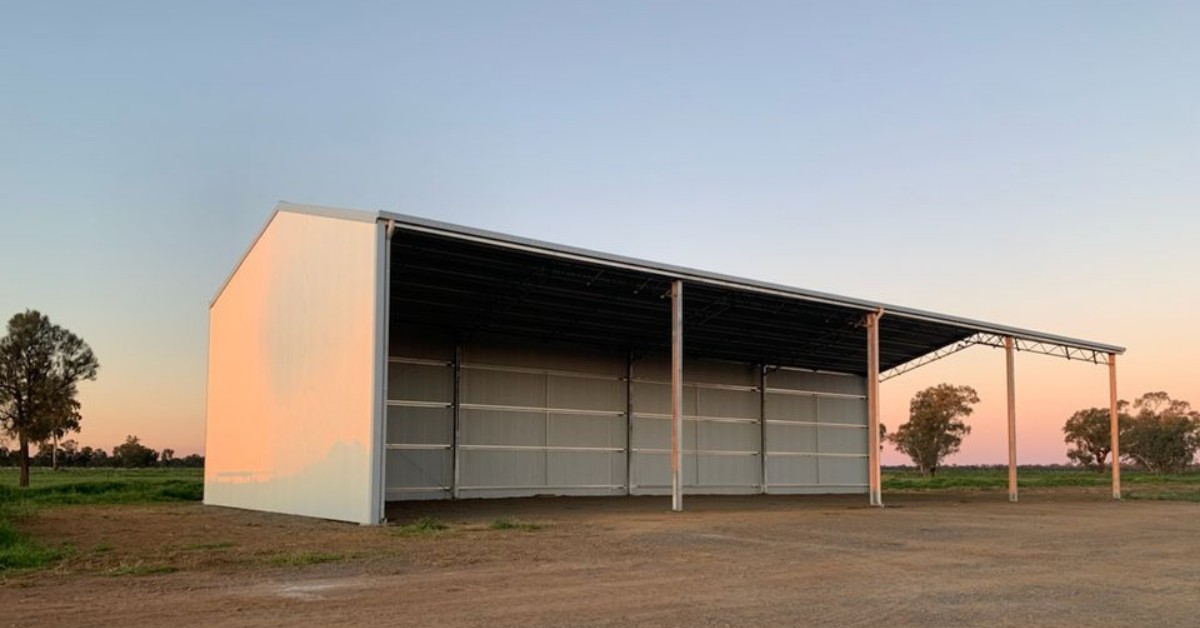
816,432
537,418
721,430
420,416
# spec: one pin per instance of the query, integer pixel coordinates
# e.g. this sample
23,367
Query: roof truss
997,340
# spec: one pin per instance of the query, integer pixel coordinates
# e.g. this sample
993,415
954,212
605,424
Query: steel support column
677,395
629,424
456,415
1010,367
762,427
383,308
875,478
1115,426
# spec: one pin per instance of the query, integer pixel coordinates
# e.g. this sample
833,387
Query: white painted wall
292,372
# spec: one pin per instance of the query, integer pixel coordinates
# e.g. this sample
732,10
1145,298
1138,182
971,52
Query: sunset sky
1031,163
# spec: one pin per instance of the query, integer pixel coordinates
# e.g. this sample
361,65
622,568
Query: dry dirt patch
1058,558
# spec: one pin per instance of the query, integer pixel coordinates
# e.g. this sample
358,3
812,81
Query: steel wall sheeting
816,432
721,430
291,397
420,428
534,419
543,418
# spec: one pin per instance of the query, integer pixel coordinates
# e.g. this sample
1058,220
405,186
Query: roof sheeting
473,288
456,276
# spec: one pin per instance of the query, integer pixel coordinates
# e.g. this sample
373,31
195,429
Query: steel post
676,395
629,424
1115,425
762,426
1010,366
456,412
875,478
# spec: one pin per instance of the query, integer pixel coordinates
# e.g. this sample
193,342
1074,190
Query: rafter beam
928,358
998,341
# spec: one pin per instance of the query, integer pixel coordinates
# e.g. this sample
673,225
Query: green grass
301,558
513,524
102,486
982,478
1178,496
42,476
425,526
140,569
50,489
19,551
207,547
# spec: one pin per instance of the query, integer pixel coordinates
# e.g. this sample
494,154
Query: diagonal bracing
997,340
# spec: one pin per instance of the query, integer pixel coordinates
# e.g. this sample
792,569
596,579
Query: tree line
131,454
1156,432
41,365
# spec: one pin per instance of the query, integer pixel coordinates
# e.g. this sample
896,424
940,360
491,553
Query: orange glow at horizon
165,407
1049,389
156,390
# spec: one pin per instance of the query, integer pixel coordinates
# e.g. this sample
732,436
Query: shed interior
514,373
468,288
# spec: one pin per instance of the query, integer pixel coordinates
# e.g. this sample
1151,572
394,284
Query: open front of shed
362,358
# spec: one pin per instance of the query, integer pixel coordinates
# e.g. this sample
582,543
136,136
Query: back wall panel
539,418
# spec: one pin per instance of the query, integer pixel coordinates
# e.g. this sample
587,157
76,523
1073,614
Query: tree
83,458
43,456
68,453
41,365
935,427
1089,434
132,453
54,454
98,458
193,461
61,425
1163,435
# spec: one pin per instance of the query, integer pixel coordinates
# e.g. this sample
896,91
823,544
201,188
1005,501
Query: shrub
513,524
425,526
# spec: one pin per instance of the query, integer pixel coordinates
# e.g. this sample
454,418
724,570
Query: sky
1025,162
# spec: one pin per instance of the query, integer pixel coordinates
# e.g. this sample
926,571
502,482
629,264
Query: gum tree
41,365
935,427
1163,434
1089,435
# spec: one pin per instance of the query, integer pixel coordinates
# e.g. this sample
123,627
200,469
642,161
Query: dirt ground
1059,558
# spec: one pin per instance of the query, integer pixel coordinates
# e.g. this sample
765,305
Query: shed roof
461,277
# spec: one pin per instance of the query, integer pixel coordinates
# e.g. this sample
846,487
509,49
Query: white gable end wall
291,401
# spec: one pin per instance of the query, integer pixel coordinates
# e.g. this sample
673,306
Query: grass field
121,486
79,486
102,486
70,487
1135,484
